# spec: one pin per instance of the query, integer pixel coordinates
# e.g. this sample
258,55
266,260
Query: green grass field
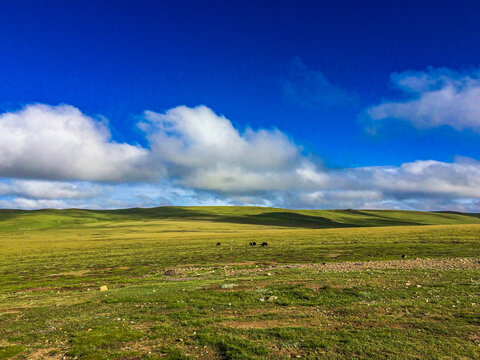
331,284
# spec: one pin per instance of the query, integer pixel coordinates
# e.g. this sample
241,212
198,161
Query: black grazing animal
253,243
404,256
264,244
218,244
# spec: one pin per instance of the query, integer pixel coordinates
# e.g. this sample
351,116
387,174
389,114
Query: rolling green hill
312,219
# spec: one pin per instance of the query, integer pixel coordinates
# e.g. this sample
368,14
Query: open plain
155,284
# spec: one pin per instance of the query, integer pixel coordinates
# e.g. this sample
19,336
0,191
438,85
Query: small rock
272,298
269,274
228,286
261,299
103,288
419,286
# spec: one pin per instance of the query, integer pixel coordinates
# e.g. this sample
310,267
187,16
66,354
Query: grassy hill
311,219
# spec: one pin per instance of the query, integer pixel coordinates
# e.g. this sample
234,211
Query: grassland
330,284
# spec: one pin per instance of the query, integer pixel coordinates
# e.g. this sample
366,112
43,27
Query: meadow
153,284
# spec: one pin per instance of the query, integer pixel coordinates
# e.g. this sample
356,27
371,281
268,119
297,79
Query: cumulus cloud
311,89
61,143
433,98
426,185
203,150
460,179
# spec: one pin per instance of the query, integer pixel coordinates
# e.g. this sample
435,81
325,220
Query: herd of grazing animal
252,243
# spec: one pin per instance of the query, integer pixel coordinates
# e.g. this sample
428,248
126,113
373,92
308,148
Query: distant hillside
42,219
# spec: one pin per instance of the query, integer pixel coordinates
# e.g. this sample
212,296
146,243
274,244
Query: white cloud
40,189
460,179
31,204
426,185
61,143
197,157
434,97
203,150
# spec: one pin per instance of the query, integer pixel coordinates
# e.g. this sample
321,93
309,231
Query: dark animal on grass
264,244
404,256
253,243
218,243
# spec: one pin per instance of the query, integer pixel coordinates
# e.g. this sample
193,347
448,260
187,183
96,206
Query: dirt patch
264,324
50,353
440,264
43,288
334,254
379,325
172,272
6,312
314,287
71,273
182,279
246,286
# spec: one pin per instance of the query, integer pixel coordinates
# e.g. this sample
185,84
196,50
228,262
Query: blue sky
311,104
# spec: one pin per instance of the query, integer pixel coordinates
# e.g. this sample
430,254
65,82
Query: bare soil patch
50,353
264,324
405,264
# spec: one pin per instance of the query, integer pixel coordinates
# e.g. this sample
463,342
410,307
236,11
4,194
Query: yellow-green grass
53,262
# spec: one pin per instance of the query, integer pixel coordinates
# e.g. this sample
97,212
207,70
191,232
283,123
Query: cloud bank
433,98
56,156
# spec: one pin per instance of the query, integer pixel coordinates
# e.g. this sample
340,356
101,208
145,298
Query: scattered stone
419,286
272,298
269,274
103,288
261,299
